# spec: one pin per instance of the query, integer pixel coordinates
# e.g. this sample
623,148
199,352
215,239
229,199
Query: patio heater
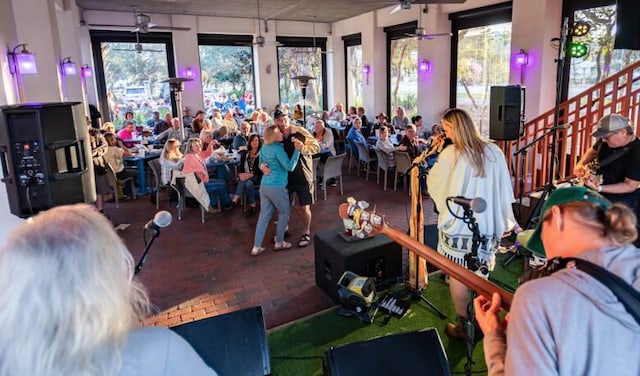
303,82
176,84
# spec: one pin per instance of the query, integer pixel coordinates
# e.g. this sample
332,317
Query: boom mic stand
474,265
155,232
548,188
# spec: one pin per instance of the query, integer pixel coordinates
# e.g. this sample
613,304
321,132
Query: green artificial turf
297,349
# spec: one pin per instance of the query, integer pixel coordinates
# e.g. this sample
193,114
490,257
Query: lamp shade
26,63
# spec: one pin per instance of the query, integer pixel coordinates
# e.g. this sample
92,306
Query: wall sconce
68,67
189,72
366,69
85,71
522,58
425,65
23,62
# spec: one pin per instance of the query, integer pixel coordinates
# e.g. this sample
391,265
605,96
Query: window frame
395,32
349,41
100,36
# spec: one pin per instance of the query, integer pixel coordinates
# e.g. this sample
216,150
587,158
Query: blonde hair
467,140
171,150
68,297
270,134
109,127
617,223
190,143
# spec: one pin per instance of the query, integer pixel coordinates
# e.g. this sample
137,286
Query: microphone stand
155,232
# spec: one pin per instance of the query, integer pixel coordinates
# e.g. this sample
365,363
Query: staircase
619,93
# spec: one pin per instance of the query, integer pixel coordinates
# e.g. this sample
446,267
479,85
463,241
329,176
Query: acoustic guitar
372,223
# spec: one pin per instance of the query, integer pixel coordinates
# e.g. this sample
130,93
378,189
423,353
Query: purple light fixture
68,67
23,62
189,72
425,65
85,71
522,58
366,69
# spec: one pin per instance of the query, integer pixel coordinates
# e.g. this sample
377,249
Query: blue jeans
248,186
215,188
272,198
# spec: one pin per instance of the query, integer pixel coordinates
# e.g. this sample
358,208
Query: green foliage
227,69
295,61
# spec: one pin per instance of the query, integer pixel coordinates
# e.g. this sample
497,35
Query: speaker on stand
506,112
45,156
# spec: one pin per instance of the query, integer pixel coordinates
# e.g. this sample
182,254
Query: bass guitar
372,223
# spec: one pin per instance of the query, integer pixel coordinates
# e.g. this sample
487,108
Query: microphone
162,219
478,204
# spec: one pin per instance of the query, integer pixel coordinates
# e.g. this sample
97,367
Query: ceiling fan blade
175,28
434,35
397,9
108,25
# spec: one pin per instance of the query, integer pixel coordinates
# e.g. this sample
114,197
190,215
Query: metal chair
403,163
383,164
183,193
114,182
364,156
352,150
332,169
154,165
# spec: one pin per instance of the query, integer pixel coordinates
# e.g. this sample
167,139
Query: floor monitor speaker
505,113
232,344
414,353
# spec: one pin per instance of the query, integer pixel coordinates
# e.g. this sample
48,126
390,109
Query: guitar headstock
365,221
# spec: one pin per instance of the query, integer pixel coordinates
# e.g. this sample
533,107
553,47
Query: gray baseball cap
610,123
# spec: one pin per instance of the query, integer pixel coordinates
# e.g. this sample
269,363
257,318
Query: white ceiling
297,10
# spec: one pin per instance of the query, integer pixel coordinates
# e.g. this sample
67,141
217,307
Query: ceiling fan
260,39
420,33
143,24
406,4
137,47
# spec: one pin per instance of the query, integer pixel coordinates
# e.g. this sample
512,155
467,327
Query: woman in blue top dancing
273,188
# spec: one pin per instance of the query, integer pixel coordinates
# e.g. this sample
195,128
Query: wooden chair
115,183
364,156
403,163
383,164
332,169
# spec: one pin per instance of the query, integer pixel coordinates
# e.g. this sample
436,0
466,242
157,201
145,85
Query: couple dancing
286,161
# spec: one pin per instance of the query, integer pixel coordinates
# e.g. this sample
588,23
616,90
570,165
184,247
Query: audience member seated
400,120
298,114
324,137
207,138
156,124
241,140
221,133
171,159
352,113
73,307
381,120
230,123
422,130
216,119
337,113
115,158
173,132
238,115
249,173
385,145
411,141
128,132
195,160
365,121
187,117
198,123
355,133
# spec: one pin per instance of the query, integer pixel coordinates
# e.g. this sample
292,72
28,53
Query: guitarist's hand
488,313
580,170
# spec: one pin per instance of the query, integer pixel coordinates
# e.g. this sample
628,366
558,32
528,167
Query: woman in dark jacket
249,174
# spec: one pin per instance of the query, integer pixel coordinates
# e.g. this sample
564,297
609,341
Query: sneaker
257,250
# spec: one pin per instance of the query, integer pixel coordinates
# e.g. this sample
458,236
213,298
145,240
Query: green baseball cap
559,197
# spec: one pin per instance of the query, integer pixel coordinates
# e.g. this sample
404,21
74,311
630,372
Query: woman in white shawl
473,167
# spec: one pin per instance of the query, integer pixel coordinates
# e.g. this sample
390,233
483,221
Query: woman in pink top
195,160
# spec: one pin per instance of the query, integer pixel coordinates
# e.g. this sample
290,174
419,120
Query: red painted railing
619,93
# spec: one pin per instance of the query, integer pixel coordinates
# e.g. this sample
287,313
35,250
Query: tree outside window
298,61
403,88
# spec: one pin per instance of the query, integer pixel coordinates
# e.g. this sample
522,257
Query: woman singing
472,167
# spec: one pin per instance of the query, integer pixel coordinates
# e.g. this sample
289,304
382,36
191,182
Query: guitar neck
470,279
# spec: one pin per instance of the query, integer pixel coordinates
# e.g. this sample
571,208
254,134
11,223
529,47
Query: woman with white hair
70,306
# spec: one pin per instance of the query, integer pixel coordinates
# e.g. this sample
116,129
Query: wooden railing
619,93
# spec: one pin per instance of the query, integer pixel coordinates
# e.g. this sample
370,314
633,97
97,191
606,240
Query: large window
130,68
602,59
402,69
353,70
480,52
226,66
302,57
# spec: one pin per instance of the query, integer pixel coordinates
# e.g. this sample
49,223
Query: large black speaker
415,353
46,156
232,344
627,25
375,257
505,113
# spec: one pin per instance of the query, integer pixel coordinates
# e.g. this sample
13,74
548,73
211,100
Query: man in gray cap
616,158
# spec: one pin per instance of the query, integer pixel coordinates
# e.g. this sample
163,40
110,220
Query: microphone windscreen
478,205
162,218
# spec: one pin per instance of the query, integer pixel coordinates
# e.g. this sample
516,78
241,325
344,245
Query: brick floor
197,270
